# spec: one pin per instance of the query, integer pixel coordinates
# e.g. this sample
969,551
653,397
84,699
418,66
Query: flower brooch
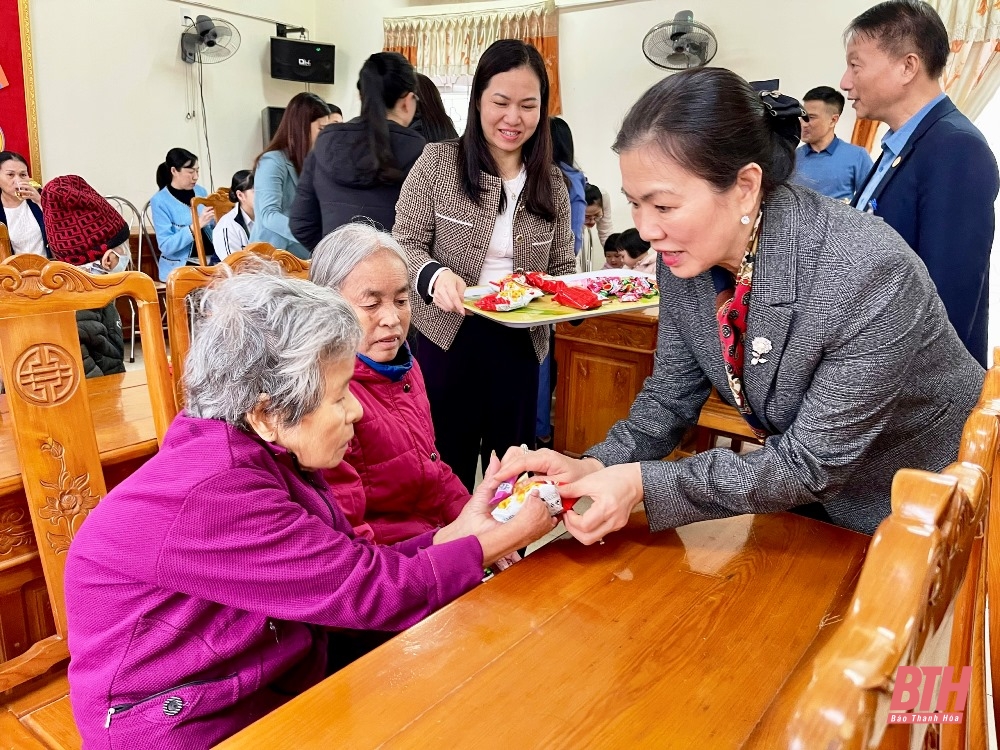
760,346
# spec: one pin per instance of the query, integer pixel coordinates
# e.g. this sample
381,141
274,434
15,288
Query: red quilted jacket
392,484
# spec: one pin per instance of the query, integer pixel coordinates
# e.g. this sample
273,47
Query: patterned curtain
972,75
401,39
450,45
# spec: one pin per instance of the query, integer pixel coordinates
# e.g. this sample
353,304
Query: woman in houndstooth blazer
849,367
472,211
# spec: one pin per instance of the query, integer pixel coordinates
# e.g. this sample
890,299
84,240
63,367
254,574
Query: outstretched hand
614,490
547,463
497,539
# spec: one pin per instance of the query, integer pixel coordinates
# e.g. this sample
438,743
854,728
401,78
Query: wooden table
673,640
126,437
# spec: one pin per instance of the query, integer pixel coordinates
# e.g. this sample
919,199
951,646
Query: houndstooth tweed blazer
865,375
437,223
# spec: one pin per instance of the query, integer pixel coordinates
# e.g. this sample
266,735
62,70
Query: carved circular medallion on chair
46,374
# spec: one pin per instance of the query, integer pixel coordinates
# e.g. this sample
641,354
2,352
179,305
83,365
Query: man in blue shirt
823,162
936,180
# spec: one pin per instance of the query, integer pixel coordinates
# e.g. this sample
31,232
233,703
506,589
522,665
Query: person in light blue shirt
177,178
823,162
277,170
892,146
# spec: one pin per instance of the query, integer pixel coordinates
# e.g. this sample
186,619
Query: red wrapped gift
578,298
548,284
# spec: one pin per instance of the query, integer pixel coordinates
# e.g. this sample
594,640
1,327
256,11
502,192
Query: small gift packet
511,496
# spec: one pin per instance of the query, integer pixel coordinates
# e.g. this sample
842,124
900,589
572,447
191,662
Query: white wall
111,89
603,70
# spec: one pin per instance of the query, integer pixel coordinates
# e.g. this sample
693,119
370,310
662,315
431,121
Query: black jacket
101,342
334,189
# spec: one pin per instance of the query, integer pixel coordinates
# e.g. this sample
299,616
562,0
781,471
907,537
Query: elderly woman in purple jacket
201,591
392,483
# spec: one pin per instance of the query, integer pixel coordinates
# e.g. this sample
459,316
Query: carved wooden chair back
5,247
990,570
915,605
219,200
183,281
53,426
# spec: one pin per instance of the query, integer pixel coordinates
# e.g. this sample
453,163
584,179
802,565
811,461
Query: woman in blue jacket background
576,181
277,170
177,178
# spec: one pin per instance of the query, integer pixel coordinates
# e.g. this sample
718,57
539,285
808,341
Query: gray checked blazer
865,375
437,225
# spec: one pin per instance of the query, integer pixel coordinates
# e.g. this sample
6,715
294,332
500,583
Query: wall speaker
301,60
270,119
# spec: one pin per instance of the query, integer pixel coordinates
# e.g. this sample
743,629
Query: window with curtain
446,47
972,75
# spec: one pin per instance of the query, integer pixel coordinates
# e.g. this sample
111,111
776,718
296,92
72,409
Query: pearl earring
744,219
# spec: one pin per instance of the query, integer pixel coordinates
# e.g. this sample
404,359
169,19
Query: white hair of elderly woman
341,251
262,333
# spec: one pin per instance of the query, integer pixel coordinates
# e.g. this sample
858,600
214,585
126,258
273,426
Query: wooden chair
132,217
920,601
146,233
58,453
187,279
219,200
5,248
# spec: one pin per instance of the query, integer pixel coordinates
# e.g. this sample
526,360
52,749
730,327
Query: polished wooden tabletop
123,419
676,640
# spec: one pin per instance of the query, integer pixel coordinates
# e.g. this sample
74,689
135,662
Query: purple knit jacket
199,591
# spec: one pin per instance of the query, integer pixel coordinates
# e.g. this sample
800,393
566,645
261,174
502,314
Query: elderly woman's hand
614,490
547,463
532,522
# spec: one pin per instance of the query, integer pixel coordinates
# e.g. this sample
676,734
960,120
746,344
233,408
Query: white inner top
25,234
500,254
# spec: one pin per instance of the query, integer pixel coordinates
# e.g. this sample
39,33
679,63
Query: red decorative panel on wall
18,112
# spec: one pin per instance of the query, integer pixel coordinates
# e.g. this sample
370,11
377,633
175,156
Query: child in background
637,256
614,256
232,231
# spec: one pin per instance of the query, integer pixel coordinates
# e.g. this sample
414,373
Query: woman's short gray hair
261,333
341,251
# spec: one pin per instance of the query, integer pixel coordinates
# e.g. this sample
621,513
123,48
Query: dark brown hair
435,125
474,156
899,27
294,134
712,123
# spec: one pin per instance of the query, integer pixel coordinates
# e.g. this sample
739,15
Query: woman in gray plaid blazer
472,211
850,367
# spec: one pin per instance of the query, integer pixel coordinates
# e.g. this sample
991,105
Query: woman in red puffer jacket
392,484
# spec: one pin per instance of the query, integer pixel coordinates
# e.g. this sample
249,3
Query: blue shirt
838,171
892,145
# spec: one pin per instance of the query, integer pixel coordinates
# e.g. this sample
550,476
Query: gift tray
544,311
